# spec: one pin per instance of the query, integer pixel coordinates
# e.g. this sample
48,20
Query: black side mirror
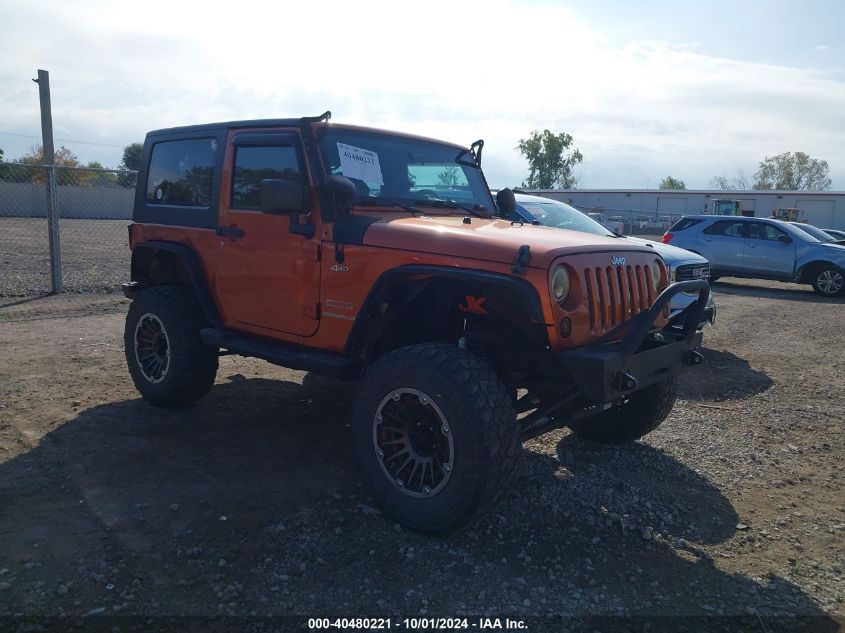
506,202
785,239
341,187
281,196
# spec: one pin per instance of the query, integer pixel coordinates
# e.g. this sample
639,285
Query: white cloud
453,70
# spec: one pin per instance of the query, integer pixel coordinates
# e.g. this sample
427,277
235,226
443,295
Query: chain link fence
87,234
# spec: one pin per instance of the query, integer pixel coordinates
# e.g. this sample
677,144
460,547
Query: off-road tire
480,413
825,278
192,365
643,413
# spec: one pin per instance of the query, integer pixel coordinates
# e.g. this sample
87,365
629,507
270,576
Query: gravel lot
250,504
95,256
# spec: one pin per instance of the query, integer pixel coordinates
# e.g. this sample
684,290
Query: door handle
230,231
751,245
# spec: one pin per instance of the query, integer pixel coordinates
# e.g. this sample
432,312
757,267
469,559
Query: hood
672,255
834,249
492,240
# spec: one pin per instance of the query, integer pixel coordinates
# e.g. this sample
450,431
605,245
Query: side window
254,164
725,228
181,173
684,223
760,231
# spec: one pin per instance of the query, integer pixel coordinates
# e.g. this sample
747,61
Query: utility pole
43,82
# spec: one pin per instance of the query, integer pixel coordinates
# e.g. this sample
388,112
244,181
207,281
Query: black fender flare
520,293
191,263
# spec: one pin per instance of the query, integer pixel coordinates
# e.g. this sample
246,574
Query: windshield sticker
359,163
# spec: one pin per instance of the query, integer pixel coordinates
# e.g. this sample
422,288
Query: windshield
391,168
562,216
820,235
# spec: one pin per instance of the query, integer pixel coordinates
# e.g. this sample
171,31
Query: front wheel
168,362
641,414
435,434
828,281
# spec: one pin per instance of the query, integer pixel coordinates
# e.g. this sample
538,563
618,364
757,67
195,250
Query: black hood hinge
523,257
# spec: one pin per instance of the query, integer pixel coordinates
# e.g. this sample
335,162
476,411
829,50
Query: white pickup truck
615,226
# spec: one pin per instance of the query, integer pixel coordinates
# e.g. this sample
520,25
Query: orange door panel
267,278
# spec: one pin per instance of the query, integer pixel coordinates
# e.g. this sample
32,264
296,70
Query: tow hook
695,357
625,382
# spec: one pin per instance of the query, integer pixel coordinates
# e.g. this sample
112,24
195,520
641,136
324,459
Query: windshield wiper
451,204
382,202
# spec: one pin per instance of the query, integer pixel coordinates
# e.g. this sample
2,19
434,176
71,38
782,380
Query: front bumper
608,370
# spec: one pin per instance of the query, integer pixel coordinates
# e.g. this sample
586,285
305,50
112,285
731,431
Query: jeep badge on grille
617,261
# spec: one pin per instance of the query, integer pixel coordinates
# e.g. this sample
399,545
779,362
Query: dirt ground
249,503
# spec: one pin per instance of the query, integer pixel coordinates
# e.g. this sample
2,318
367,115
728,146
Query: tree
132,157
99,178
131,162
793,171
62,157
671,183
550,160
448,177
738,183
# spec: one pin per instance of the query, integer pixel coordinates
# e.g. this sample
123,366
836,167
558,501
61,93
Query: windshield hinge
523,256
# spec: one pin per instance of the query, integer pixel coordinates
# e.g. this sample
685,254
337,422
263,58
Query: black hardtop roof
226,125
322,120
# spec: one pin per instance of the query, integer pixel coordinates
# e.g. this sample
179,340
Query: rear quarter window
181,173
684,223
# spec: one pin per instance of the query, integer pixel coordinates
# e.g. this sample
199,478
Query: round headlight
655,272
560,284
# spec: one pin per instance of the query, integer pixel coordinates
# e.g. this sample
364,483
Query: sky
647,89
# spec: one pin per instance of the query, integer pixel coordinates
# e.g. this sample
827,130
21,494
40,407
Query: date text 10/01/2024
447,624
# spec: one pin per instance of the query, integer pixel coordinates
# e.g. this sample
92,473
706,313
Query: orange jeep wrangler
382,257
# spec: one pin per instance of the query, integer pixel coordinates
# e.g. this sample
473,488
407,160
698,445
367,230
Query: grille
692,271
616,293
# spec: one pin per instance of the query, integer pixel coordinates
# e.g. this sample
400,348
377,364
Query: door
267,277
817,212
722,245
767,253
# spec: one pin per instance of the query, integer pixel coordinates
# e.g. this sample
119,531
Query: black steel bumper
605,371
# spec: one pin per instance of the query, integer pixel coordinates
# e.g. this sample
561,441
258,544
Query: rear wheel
435,433
828,281
168,362
641,414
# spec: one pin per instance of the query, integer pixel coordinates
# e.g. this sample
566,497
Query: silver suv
762,249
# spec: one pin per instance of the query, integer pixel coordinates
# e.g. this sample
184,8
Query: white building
824,209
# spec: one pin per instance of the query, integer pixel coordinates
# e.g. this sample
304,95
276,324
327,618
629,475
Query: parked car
683,265
618,220
640,223
835,233
819,234
613,226
761,248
